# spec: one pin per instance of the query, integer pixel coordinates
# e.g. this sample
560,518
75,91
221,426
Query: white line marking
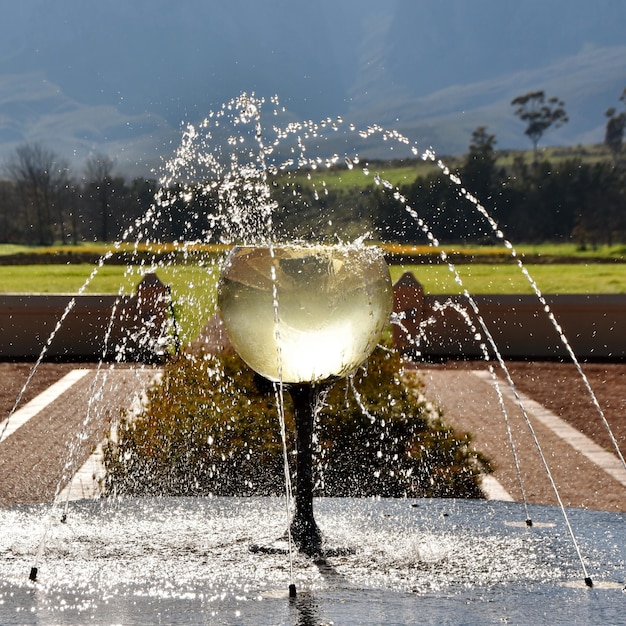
595,453
86,483
37,404
493,490
489,484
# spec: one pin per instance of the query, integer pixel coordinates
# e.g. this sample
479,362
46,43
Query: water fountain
303,316
173,560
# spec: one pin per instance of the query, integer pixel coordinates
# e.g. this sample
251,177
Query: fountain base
177,560
282,547
306,534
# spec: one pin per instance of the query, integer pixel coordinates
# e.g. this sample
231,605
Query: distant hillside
119,77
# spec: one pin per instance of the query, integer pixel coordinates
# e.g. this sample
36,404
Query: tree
615,126
10,228
539,114
482,144
42,178
99,177
479,170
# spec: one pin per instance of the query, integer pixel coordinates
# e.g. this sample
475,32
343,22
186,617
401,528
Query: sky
122,77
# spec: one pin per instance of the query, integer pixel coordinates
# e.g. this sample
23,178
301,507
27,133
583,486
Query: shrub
211,426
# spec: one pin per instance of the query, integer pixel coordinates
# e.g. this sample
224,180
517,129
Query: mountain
121,77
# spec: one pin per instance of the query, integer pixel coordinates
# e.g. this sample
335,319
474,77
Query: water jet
118,560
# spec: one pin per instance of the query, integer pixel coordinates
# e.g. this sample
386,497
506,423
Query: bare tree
99,177
42,178
539,114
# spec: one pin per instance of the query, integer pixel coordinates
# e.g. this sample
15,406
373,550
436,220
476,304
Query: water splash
225,172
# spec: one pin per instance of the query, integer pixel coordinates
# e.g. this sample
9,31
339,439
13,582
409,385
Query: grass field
343,178
493,270
108,279
193,287
188,279
405,171
501,279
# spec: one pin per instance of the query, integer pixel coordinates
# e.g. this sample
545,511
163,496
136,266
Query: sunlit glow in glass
305,313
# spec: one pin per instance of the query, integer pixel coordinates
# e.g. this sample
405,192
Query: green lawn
404,172
49,278
190,282
194,287
505,278
572,250
345,179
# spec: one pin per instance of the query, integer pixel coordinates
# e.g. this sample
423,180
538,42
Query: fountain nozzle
33,574
292,591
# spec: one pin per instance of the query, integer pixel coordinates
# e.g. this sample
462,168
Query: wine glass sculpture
304,316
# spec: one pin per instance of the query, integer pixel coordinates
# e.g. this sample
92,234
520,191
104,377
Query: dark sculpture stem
304,530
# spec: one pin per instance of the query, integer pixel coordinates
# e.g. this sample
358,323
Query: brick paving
33,459
55,442
471,403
